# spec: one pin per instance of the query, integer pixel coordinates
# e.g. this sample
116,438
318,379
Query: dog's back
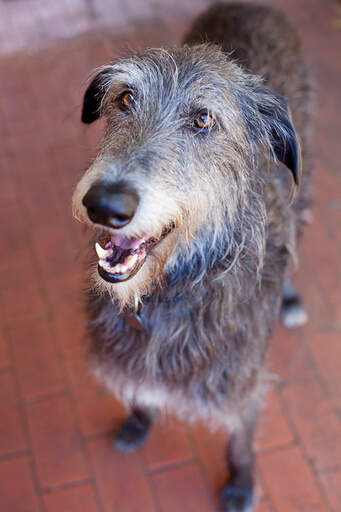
264,42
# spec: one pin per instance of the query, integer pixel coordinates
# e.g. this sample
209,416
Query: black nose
111,204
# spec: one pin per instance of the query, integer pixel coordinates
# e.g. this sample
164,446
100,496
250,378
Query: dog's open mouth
122,257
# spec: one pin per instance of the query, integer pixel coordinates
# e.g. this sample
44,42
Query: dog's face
175,160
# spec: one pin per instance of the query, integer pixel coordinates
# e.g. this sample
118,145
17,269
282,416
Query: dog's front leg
293,313
238,494
134,430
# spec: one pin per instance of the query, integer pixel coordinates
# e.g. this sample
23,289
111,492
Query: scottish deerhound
191,198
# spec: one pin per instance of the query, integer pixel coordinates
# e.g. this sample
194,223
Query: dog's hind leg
293,313
134,430
238,495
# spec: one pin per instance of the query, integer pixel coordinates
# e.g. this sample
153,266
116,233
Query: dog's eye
126,101
203,121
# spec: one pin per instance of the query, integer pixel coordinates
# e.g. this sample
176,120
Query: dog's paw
130,435
293,314
237,499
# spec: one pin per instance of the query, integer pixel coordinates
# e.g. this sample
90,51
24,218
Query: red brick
120,479
17,492
30,164
8,189
20,130
316,423
315,300
16,109
22,296
41,197
99,415
331,483
55,249
168,443
39,187
184,488
39,367
72,158
324,180
98,411
15,235
273,429
211,449
332,219
290,481
326,176
335,306
263,506
288,358
82,381
70,326
12,437
57,445
4,352
74,499
323,254
157,33
66,123
326,350
65,288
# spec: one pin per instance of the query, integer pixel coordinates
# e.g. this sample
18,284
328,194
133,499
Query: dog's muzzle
121,258
111,205
114,206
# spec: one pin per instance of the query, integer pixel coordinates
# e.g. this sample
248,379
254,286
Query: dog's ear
93,97
280,129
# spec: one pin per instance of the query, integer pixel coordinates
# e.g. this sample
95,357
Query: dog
197,198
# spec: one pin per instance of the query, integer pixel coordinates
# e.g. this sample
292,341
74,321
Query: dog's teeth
101,253
105,265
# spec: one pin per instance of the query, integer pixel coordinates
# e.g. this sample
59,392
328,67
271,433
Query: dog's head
177,170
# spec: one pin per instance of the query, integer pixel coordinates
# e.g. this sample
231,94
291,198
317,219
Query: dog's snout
111,204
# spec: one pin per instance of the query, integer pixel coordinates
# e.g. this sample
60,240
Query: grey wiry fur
211,290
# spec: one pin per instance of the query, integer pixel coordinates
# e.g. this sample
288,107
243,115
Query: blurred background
56,424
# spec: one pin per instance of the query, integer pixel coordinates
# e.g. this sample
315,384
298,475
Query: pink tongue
126,243
121,241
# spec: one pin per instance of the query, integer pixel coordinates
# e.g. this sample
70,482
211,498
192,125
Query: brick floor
56,423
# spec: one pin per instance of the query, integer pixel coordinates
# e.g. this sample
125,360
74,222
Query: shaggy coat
210,292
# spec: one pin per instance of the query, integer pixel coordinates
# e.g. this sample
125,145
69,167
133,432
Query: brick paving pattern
56,423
